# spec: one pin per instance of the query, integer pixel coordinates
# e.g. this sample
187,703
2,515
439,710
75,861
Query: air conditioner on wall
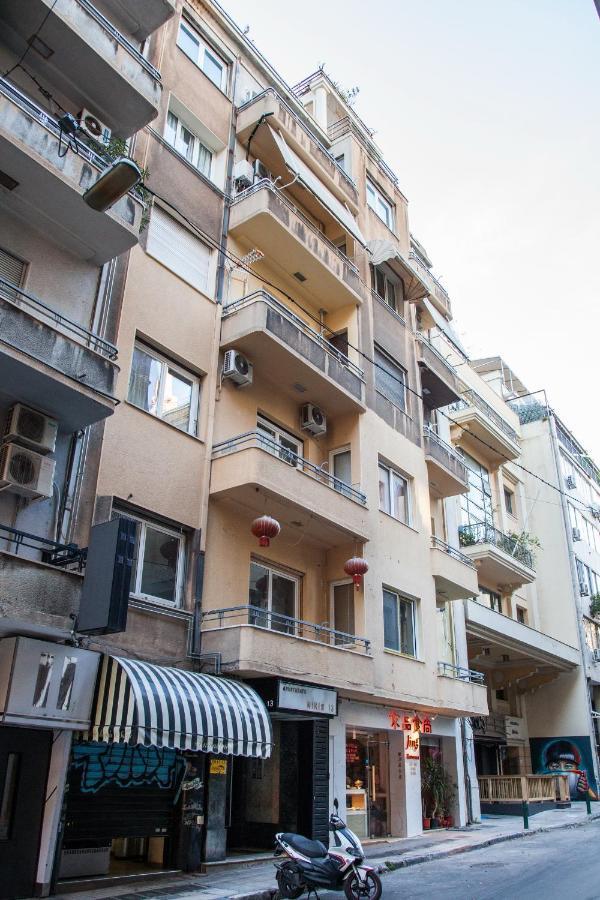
571,483
584,590
237,368
576,534
93,127
24,472
596,655
313,419
30,428
243,174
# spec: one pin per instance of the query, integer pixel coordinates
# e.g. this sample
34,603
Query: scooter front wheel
369,889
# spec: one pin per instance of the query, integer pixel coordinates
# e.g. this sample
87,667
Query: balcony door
342,612
276,593
279,442
340,467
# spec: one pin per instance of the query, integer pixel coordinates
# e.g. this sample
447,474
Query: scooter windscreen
351,842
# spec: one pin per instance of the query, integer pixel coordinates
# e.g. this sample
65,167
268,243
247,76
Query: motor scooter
310,864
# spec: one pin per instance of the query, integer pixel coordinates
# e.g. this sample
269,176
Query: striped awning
141,703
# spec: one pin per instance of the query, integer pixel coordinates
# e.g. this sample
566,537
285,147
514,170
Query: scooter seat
312,849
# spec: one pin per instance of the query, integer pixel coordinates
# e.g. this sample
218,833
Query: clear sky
489,113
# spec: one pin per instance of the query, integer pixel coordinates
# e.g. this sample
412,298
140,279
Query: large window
188,144
476,505
158,564
279,442
389,289
207,59
178,249
164,389
380,205
390,379
394,497
399,631
494,600
276,593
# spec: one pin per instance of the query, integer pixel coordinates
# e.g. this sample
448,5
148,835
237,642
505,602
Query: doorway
367,782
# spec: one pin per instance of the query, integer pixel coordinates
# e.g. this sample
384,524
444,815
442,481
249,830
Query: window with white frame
164,389
394,494
188,144
279,442
202,54
390,290
380,205
273,598
476,506
178,249
158,563
390,379
399,623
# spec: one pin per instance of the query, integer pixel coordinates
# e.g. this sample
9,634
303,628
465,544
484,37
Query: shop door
24,756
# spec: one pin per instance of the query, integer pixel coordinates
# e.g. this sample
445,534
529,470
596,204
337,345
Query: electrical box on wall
108,571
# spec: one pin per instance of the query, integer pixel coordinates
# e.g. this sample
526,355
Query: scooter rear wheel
369,889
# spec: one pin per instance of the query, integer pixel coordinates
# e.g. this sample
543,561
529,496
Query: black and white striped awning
141,703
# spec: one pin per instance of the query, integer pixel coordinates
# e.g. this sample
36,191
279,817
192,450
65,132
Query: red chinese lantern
265,528
356,567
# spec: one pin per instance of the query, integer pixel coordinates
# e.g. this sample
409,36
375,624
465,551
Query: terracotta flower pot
426,824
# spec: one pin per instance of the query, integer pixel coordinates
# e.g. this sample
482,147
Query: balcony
139,18
490,435
50,362
288,352
512,654
501,560
47,188
264,218
437,292
301,495
448,475
439,384
262,642
454,573
447,670
299,136
90,62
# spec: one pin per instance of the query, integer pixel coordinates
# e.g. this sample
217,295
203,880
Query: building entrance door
24,757
367,782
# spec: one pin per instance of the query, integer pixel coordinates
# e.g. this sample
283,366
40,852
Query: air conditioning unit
93,127
576,534
313,419
595,511
571,483
243,174
260,170
596,655
24,472
31,428
584,590
237,368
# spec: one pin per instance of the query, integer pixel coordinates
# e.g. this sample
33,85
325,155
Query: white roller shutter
178,249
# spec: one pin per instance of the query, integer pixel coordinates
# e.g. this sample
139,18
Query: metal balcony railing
427,275
428,347
264,296
391,309
63,556
116,35
461,674
482,533
274,621
260,441
470,398
439,544
443,453
25,300
267,184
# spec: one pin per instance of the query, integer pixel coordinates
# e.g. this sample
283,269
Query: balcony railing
344,125
482,533
267,184
257,440
24,299
438,289
274,621
263,295
439,544
470,398
63,556
450,671
391,309
444,454
429,347
116,35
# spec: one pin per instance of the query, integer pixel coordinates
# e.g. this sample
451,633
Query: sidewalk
256,881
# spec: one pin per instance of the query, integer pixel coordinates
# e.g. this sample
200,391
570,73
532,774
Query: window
341,468
390,291
341,161
494,600
521,615
277,441
476,505
509,501
380,205
393,494
213,66
178,249
163,389
158,562
188,144
12,269
276,593
342,612
399,623
390,379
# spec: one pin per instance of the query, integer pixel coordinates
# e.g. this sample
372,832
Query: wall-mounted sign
412,745
218,767
400,722
306,698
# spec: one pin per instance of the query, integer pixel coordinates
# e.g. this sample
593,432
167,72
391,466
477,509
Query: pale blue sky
489,113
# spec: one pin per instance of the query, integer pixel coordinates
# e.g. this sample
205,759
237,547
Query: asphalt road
559,865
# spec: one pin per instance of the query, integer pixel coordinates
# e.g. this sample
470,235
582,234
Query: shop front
289,791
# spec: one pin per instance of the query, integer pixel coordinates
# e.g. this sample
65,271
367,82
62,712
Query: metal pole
588,804
525,814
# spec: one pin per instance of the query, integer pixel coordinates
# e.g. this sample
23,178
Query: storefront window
367,783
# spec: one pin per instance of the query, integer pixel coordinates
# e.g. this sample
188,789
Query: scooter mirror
336,805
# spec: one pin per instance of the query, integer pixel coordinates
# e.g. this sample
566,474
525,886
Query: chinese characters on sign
407,723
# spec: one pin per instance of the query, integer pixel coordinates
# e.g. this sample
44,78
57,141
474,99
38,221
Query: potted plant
438,793
466,538
595,606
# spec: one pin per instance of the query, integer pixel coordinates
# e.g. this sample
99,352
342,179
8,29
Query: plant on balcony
466,538
526,541
595,606
348,95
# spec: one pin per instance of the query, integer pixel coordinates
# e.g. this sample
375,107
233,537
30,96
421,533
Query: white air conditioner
571,483
576,534
24,472
93,127
237,368
584,590
595,511
243,174
260,170
596,655
313,419
31,428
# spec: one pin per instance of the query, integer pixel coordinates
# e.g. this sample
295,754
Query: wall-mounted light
120,177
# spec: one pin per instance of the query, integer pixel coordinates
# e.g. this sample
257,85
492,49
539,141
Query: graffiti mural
571,756
125,766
